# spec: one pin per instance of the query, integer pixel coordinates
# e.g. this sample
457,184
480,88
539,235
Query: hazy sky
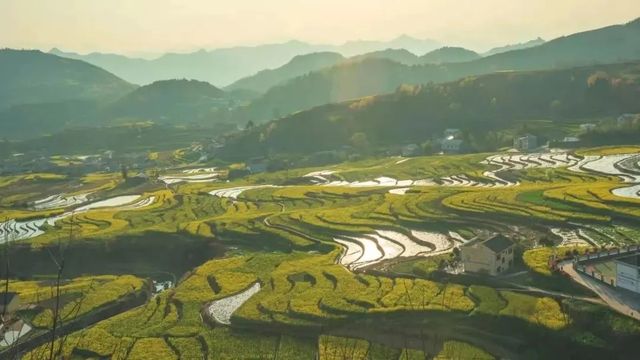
138,26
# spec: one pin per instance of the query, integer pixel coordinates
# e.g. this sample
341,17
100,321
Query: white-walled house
451,146
587,127
527,142
492,256
628,273
627,119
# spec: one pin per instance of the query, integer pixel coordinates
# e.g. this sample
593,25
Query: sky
156,26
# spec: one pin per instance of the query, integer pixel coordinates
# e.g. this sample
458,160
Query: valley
318,258
188,180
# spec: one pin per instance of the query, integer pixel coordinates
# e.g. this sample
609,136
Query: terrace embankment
154,255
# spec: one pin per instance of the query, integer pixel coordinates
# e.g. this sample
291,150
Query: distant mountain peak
295,42
449,54
523,45
405,37
297,66
399,55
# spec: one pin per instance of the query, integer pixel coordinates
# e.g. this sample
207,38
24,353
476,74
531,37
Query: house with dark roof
452,146
492,256
525,143
628,272
9,302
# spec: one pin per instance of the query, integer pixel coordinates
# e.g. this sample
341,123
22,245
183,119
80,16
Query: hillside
299,65
303,64
28,76
448,55
125,67
401,56
480,106
33,120
347,81
171,101
120,138
610,44
438,56
510,47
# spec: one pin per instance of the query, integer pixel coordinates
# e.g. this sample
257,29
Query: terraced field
325,294
311,253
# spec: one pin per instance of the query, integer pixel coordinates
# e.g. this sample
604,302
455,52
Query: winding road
619,300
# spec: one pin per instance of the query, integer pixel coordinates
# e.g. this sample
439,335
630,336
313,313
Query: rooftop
633,260
497,243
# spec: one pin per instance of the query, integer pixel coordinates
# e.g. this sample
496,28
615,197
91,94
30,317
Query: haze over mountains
299,65
303,64
43,94
376,76
223,66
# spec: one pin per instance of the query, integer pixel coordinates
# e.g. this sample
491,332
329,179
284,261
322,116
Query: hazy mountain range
42,93
304,64
353,79
223,66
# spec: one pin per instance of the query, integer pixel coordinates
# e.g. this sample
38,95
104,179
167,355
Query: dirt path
267,223
539,291
619,300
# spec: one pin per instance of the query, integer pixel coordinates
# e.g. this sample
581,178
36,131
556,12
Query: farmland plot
27,229
384,245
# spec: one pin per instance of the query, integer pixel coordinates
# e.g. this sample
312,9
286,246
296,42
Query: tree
556,108
428,147
276,113
360,142
125,172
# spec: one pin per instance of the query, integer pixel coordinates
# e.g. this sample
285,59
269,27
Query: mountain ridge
611,44
523,45
299,65
233,63
31,76
479,104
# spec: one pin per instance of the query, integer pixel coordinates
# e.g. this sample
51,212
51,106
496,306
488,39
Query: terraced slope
323,256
